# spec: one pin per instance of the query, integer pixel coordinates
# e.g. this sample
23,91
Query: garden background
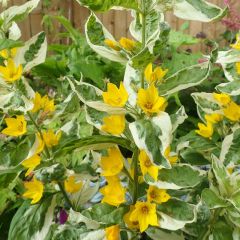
117,22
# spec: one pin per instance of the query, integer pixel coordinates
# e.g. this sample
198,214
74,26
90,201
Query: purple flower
63,216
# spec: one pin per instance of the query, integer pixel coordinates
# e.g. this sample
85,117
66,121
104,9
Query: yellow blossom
31,163
113,163
127,44
213,118
238,68
170,158
71,186
154,76
112,44
157,195
51,139
34,190
205,130
113,233
11,73
222,98
114,96
113,193
126,218
15,126
236,45
149,100
43,103
232,112
147,166
8,53
114,124
145,214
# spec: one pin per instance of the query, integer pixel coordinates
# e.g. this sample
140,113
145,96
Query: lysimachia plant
112,161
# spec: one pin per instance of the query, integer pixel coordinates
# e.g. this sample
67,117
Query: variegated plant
115,163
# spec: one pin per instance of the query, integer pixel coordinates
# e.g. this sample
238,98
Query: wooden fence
117,22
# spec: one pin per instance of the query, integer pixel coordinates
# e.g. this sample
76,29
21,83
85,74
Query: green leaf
55,172
104,5
97,142
222,231
185,78
230,148
177,39
106,214
231,88
8,44
96,33
33,52
223,178
153,136
32,221
156,234
179,176
198,10
212,199
175,214
16,13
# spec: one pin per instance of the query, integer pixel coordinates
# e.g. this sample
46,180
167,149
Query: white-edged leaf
153,136
199,10
96,33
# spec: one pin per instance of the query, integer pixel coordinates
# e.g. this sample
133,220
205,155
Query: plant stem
143,12
65,195
40,133
135,162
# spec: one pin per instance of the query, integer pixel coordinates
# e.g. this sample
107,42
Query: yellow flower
214,118
127,44
157,195
113,163
236,45
34,190
205,130
232,112
43,103
154,76
113,233
149,101
112,44
71,186
51,139
11,72
8,53
31,163
147,166
167,154
238,68
144,213
126,218
114,96
113,193
222,98
15,126
114,124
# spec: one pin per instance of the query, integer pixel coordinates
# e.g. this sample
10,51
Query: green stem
136,184
143,12
65,195
177,99
40,133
